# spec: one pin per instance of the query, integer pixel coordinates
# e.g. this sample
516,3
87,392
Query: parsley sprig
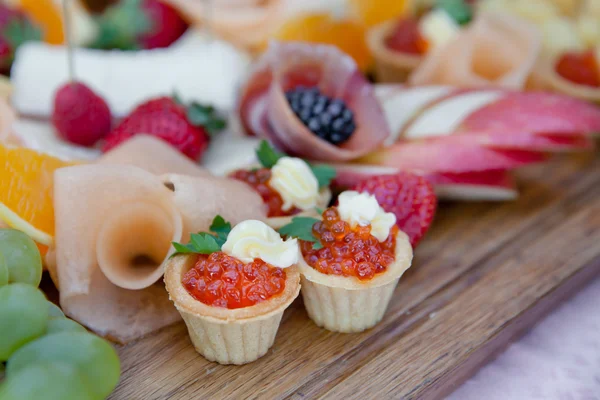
459,10
301,228
268,157
204,242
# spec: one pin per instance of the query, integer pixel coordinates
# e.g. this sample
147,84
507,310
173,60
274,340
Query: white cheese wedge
196,68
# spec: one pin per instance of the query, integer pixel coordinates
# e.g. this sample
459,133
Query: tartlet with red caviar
232,287
352,260
399,46
288,185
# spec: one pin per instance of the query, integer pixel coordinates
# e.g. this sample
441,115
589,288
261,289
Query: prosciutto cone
497,50
266,113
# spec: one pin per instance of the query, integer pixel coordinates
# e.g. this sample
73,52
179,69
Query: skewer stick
68,41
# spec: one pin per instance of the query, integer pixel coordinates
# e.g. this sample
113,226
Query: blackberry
330,119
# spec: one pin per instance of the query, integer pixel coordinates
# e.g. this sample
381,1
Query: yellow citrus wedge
47,14
26,179
373,12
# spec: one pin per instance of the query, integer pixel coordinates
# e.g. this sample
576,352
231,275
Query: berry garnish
333,247
409,197
406,37
185,128
330,119
139,24
80,116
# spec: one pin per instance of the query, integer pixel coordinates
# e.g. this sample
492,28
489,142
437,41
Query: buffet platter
485,274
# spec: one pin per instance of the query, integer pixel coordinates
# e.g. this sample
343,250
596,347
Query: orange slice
373,12
348,35
26,178
47,14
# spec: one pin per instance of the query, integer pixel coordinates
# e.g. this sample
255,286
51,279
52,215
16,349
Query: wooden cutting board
485,273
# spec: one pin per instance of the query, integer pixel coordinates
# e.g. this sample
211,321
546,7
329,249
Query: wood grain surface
485,273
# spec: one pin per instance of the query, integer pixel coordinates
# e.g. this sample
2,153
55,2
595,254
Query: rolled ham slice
106,276
390,65
265,112
495,50
154,155
201,198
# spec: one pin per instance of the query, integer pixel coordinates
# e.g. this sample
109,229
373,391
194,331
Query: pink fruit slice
494,185
441,156
265,111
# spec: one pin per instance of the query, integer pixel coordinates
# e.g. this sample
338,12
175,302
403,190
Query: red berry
166,25
80,116
410,197
165,119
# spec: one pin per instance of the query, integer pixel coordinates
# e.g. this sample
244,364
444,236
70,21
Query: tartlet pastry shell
345,304
229,336
390,66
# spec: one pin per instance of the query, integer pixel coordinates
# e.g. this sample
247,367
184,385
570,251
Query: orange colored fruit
373,12
348,35
47,14
26,178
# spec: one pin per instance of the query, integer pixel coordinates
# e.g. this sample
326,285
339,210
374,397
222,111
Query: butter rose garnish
293,179
246,241
297,181
254,239
363,209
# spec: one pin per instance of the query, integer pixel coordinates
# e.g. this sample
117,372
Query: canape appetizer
231,288
399,46
351,262
574,73
287,185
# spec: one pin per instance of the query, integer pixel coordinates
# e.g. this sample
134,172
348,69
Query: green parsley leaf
301,228
459,10
205,116
267,155
206,243
221,228
319,210
323,173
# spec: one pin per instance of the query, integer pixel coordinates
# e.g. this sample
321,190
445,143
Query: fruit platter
274,199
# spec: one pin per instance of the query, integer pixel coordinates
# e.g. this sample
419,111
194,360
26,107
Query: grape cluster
44,355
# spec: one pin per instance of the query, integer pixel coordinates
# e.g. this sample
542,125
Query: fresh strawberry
80,116
15,29
410,197
139,24
186,128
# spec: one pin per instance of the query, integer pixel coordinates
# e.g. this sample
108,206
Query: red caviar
259,180
223,281
406,37
581,68
348,251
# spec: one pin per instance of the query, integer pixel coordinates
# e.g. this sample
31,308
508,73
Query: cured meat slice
154,155
201,198
265,111
496,49
101,211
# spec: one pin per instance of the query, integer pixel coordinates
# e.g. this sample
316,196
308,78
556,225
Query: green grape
54,310
23,316
3,271
22,257
60,324
46,380
93,357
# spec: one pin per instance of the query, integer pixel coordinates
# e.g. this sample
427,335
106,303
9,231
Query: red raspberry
80,116
410,197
